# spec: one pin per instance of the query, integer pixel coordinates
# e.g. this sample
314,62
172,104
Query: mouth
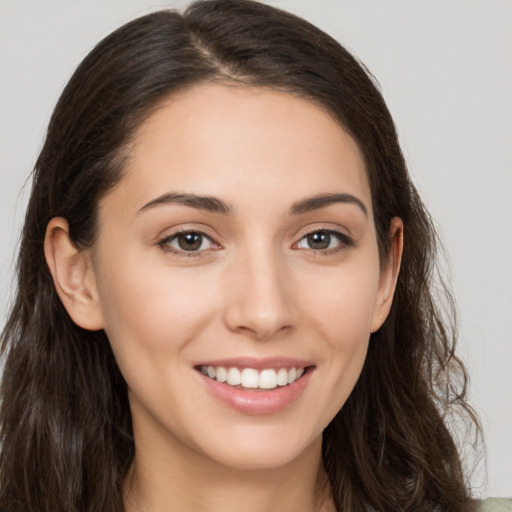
256,387
251,379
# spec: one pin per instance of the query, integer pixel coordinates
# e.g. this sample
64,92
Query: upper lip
257,363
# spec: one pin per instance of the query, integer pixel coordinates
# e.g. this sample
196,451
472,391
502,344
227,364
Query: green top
496,505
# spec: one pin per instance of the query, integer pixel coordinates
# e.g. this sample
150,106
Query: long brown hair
65,427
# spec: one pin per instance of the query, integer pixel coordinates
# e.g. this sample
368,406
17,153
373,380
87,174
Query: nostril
263,332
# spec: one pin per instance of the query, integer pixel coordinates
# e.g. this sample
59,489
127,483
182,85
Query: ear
389,274
73,276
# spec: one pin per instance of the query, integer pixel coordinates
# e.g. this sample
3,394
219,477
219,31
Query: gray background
445,68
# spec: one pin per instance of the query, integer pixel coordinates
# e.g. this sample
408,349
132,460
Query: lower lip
257,401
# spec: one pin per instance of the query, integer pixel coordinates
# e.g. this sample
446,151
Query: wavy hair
65,426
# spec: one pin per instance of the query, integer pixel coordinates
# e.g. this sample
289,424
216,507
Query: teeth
251,378
268,379
282,377
234,377
222,374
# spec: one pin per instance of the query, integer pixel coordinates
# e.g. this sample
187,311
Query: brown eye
319,240
324,240
188,241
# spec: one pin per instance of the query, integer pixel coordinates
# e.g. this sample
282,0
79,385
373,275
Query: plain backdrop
445,68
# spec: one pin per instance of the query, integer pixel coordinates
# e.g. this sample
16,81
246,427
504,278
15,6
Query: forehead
224,141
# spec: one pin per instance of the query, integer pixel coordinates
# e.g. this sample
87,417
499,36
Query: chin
262,449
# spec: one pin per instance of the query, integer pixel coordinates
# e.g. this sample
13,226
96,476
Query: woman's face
241,243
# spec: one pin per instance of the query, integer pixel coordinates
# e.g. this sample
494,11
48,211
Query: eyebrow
215,205
210,204
323,200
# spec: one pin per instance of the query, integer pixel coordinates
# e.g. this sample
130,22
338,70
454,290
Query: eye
323,240
187,241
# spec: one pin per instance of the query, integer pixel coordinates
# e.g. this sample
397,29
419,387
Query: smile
250,378
256,386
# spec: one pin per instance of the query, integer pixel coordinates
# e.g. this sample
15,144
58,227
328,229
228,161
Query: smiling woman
225,286
249,275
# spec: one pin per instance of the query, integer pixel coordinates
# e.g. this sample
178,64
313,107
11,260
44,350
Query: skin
255,288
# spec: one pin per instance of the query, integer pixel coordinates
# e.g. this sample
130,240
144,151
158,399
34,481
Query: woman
225,286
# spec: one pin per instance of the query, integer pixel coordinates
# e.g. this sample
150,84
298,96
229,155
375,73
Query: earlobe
73,276
389,274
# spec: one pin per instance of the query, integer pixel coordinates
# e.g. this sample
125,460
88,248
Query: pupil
319,240
190,241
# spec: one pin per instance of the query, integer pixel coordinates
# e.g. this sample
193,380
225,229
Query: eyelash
344,242
164,244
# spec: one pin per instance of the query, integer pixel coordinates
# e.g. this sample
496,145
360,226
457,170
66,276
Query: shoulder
496,505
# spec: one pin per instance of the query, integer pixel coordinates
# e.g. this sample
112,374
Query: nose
260,298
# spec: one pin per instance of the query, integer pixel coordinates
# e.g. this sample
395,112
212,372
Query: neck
193,483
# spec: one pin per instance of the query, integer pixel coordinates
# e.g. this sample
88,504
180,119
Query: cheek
152,308
340,318
343,304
